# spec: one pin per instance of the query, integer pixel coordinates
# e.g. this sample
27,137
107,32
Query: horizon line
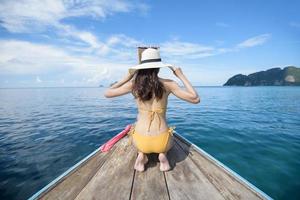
38,87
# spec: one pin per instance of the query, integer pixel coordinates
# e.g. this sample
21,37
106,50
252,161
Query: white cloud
100,61
81,54
83,57
30,15
188,50
26,58
85,37
23,57
35,15
254,41
122,39
179,50
116,45
40,15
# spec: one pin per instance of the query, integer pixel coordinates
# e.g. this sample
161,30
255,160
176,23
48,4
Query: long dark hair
146,84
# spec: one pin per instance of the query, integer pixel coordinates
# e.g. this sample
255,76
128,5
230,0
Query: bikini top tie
152,114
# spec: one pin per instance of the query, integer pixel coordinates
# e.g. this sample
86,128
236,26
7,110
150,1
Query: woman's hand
126,79
131,72
177,71
129,75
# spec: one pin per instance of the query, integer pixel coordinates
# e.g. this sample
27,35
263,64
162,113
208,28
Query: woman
151,133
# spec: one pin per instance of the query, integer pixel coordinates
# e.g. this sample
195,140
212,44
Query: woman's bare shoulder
167,83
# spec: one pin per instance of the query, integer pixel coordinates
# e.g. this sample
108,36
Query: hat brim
150,65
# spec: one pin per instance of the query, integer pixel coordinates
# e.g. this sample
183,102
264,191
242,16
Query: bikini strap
152,113
171,129
170,134
130,133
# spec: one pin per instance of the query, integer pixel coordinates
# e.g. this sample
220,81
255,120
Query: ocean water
255,131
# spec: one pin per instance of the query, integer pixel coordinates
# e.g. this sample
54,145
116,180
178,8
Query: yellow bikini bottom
151,143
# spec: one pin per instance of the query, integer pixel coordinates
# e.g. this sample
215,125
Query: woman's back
151,117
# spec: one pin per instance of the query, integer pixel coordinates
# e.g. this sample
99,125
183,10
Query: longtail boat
110,175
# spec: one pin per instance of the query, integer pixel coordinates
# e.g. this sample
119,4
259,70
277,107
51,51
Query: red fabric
109,144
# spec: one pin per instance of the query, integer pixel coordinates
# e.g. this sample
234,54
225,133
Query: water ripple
253,130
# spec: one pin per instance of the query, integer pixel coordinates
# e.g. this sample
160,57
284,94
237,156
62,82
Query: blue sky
53,43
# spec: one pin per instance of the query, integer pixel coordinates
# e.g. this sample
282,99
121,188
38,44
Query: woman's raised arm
189,93
122,87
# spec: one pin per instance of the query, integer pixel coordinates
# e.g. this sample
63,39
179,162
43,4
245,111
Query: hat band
151,60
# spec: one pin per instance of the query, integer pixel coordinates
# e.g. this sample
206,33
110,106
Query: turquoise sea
255,131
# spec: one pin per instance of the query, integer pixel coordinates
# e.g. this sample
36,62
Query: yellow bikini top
152,113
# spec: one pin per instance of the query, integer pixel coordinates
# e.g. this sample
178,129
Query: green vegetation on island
288,76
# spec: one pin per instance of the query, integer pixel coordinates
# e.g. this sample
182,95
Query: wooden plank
185,180
70,186
225,182
114,179
150,184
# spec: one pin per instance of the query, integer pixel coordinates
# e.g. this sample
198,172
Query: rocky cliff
275,76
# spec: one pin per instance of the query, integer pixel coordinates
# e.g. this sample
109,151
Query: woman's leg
164,163
140,162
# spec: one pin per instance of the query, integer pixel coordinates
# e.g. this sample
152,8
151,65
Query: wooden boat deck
110,175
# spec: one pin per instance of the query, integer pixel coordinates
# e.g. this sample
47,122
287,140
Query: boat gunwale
62,176
229,171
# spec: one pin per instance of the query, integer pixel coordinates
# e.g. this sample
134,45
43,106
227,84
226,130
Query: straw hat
150,58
